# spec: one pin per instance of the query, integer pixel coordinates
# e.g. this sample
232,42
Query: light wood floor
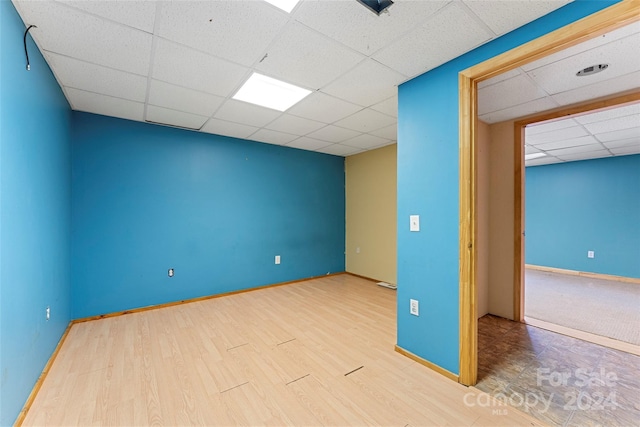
313,353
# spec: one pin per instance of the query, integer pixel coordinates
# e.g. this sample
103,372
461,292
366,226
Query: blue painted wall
35,213
148,198
575,207
428,186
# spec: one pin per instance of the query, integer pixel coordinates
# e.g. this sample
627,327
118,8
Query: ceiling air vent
376,6
594,69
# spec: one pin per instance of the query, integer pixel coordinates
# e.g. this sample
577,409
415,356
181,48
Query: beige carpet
602,307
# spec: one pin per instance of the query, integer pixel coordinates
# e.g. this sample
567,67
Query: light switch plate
277,259
414,222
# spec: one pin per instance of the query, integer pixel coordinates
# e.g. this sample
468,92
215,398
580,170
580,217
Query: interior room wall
589,205
501,225
217,210
371,214
35,214
428,185
483,233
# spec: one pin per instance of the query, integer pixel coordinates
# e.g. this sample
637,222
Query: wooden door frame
606,20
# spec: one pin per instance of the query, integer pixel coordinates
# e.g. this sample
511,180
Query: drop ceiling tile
300,56
353,25
104,105
73,33
339,150
503,16
186,67
537,128
447,35
604,39
323,108
518,111
619,134
619,143
508,93
500,77
366,141
182,99
136,14
389,132
238,31
543,161
96,78
166,116
225,128
528,149
611,113
246,114
611,125
566,143
596,90
294,125
388,106
333,134
561,76
307,143
626,150
585,156
272,137
366,120
573,150
367,84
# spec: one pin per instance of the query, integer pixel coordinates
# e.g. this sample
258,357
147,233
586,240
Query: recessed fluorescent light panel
271,93
286,5
534,156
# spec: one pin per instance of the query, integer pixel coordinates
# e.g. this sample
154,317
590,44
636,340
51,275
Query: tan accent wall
482,196
501,227
371,214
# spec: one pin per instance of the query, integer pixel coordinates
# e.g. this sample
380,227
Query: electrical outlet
591,254
414,307
358,249
170,273
48,312
277,259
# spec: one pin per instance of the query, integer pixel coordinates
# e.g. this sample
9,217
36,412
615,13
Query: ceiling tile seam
92,63
103,18
502,81
152,58
519,105
109,96
539,87
479,21
586,87
151,104
58,80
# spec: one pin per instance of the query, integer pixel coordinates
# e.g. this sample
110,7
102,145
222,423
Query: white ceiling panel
238,31
174,118
612,113
96,78
521,110
272,137
324,108
556,143
353,25
573,150
388,106
619,134
599,89
543,161
448,34
503,16
300,56
225,128
186,67
366,141
626,150
295,125
528,149
136,14
73,33
367,84
105,105
622,143
307,143
500,77
585,156
537,128
366,120
560,76
246,114
340,150
620,123
508,93
389,132
333,134
179,98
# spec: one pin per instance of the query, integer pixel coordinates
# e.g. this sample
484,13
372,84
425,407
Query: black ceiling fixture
376,6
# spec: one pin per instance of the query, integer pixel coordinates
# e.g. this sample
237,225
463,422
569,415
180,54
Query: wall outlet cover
414,307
